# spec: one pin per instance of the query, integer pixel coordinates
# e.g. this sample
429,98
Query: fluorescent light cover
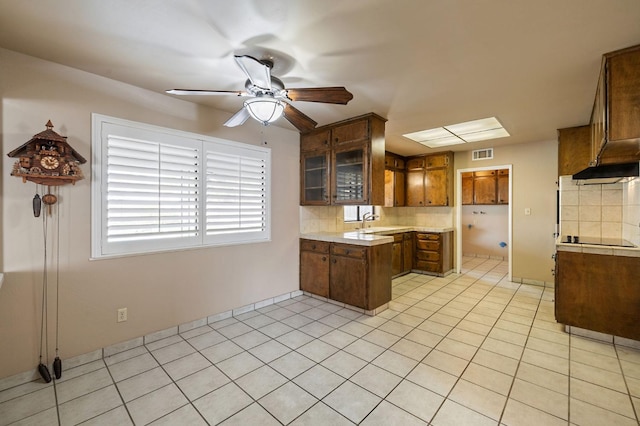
469,131
487,134
434,143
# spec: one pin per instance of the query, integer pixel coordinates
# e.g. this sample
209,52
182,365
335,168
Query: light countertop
368,236
598,249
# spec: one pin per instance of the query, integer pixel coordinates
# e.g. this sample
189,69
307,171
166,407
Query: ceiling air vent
482,154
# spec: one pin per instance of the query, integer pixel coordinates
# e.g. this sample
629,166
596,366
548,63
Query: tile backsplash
330,218
600,211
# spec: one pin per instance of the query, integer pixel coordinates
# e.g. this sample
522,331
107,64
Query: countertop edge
597,249
373,236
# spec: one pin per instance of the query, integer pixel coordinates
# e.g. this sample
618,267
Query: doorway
476,223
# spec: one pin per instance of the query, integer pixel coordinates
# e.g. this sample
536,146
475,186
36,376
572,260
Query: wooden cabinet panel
407,251
467,188
415,188
484,189
574,149
356,131
394,188
396,259
315,140
437,187
503,186
347,278
598,292
314,267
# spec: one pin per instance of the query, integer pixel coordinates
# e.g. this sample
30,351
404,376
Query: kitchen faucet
368,217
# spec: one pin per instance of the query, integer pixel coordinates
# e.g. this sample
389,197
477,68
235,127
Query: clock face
49,162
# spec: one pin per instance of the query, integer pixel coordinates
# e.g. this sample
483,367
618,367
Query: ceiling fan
268,96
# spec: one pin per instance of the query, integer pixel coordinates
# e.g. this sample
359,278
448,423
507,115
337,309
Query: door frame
459,215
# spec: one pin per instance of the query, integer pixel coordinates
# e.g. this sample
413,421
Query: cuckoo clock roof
48,135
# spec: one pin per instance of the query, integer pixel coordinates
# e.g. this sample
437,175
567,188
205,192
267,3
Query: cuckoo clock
47,159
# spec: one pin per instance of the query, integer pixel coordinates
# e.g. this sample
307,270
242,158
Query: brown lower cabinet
359,276
433,252
598,292
402,254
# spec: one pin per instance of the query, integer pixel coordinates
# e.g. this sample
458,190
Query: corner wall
159,290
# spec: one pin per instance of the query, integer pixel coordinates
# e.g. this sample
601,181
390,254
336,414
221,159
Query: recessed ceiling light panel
469,131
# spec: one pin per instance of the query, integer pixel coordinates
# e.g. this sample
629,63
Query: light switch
527,211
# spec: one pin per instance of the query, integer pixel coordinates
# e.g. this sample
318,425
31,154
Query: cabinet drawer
314,141
432,256
351,132
425,265
433,237
433,245
349,251
397,238
407,235
315,246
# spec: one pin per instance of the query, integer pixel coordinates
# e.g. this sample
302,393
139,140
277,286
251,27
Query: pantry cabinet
430,180
433,252
343,163
357,275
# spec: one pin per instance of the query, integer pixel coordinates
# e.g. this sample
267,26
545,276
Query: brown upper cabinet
429,180
394,180
574,149
343,163
615,128
485,187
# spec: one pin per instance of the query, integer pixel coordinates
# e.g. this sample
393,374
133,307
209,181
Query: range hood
607,173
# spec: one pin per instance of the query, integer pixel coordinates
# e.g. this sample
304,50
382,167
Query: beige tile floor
469,349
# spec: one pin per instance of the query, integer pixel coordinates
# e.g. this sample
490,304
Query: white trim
459,214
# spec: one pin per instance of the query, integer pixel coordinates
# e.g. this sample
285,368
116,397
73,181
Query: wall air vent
482,154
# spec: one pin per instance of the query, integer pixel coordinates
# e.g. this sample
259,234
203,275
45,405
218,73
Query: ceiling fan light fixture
264,109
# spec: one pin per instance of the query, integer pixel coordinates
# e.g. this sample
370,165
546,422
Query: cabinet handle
334,261
347,251
313,247
324,258
336,139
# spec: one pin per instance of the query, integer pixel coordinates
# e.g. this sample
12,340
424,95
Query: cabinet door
314,273
315,141
415,188
399,189
351,132
503,186
314,178
349,178
348,280
467,188
396,258
407,252
437,160
436,187
394,182
484,187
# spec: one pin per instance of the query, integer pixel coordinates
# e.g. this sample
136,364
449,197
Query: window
355,213
157,189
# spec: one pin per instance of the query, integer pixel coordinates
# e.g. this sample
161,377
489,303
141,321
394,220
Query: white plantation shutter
156,189
236,193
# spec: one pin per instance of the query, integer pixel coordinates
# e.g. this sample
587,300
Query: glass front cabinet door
315,178
350,182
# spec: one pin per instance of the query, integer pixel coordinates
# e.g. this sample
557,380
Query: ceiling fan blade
296,117
329,95
259,73
238,118
206,92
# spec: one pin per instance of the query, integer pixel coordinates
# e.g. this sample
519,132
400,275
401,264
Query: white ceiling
419,63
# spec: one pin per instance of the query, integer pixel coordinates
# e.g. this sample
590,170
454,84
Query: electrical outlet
122,314
527,211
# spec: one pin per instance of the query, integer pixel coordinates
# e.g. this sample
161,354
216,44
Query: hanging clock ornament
47,159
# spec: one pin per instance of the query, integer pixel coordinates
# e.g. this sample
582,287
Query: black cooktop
614,242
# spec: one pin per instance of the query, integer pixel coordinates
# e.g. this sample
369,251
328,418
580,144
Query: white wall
159,290
484,228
